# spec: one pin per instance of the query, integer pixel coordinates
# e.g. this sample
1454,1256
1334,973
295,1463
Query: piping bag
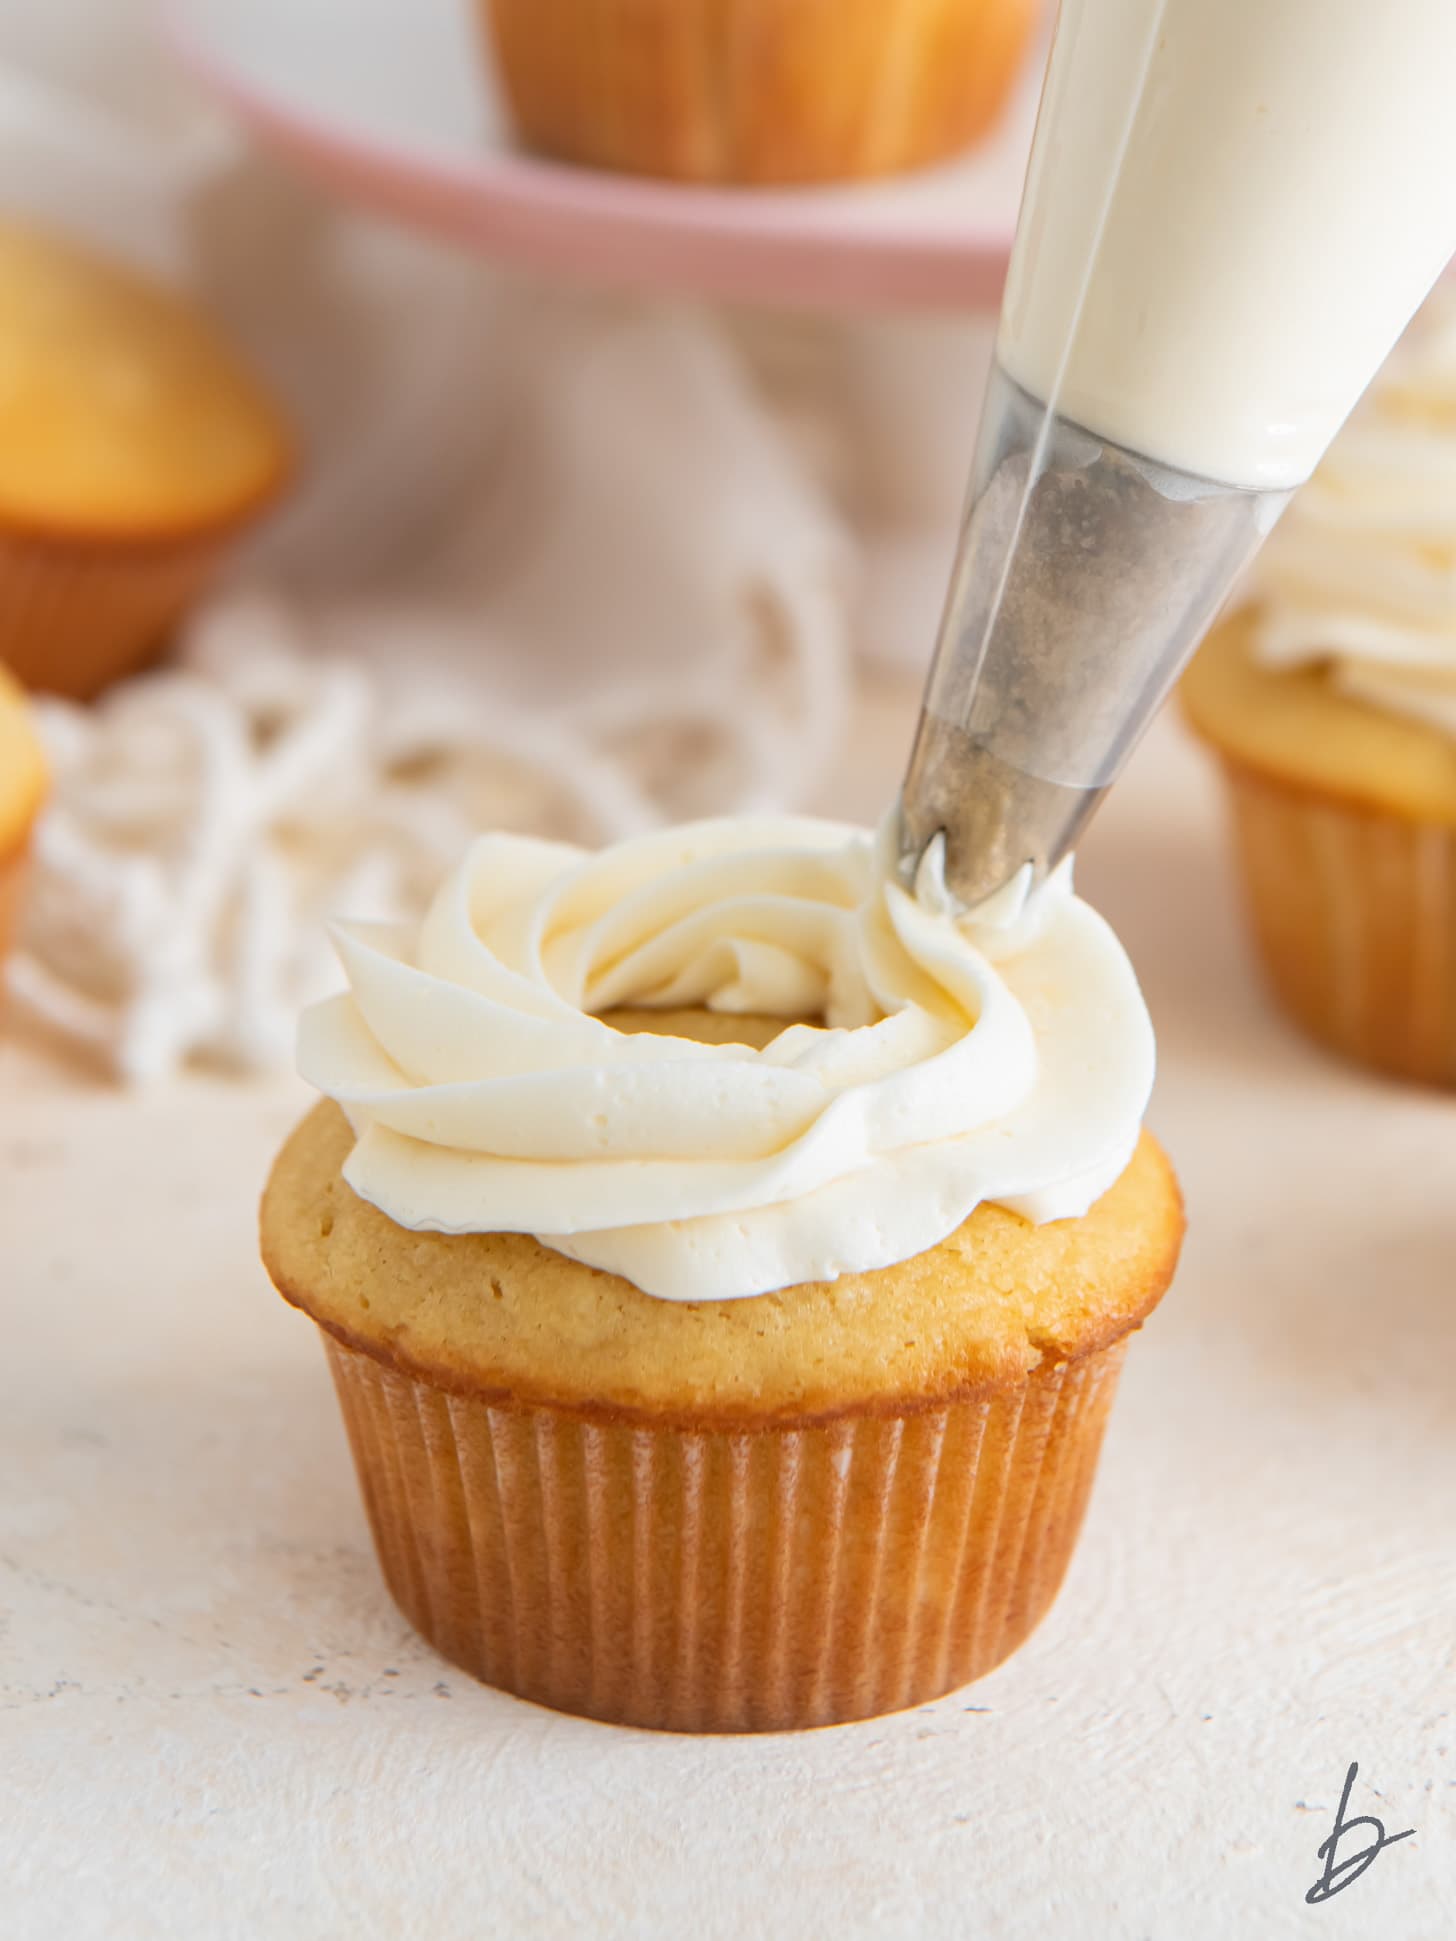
1232,210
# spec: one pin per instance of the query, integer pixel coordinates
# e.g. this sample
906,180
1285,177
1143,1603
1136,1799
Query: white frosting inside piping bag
1233,208
1005,1056
1361,573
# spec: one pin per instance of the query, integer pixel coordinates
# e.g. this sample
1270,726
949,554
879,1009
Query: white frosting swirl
1361,572
1006,1056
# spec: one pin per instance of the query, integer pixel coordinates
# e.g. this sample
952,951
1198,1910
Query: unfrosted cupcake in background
756,91
725,1260
134,450
22,788
1330,698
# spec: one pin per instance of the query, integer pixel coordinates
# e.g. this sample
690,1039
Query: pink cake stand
390,102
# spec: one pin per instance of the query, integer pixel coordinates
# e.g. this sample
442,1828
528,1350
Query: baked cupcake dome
134,449
756,91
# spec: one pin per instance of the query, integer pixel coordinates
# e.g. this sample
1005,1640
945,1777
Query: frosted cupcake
1331,700
725,1259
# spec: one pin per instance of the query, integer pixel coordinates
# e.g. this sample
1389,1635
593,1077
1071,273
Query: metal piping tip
997,821
1085,576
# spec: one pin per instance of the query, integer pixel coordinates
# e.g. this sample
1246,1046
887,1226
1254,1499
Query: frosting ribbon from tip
927,1060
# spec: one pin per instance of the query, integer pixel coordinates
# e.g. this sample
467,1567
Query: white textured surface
214,1723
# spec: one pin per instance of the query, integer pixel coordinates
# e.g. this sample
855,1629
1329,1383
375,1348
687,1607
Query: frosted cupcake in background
1330,698
725,1258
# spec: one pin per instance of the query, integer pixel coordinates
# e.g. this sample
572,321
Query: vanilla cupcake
1330,698
725,1260
22,789
757,91
134,449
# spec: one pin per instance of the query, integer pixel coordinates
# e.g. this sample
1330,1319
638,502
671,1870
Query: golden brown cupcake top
1294,726
501,1315
22,766
122,415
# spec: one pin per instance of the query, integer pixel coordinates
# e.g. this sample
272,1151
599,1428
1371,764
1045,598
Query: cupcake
1330,700
22,787
758,91
725,1259
133,451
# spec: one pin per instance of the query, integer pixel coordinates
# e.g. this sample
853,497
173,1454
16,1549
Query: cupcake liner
74,616
13,864
754,90
699,1579
1354,912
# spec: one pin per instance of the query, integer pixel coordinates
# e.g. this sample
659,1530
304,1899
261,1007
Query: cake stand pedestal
394,107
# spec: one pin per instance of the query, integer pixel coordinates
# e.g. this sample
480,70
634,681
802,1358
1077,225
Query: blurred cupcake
133,451
706,1369
22,786
757,91
1331,700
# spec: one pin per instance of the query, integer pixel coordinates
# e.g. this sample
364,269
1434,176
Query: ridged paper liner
756,90
707,1581
13,863
75,616
1355,917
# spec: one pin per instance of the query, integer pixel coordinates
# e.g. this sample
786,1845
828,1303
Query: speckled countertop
213,1722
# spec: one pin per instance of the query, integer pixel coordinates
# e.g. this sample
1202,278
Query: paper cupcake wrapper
756,90
13,865
712,1581
1354,913
73,617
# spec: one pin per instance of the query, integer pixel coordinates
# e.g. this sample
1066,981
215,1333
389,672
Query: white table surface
214,1723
